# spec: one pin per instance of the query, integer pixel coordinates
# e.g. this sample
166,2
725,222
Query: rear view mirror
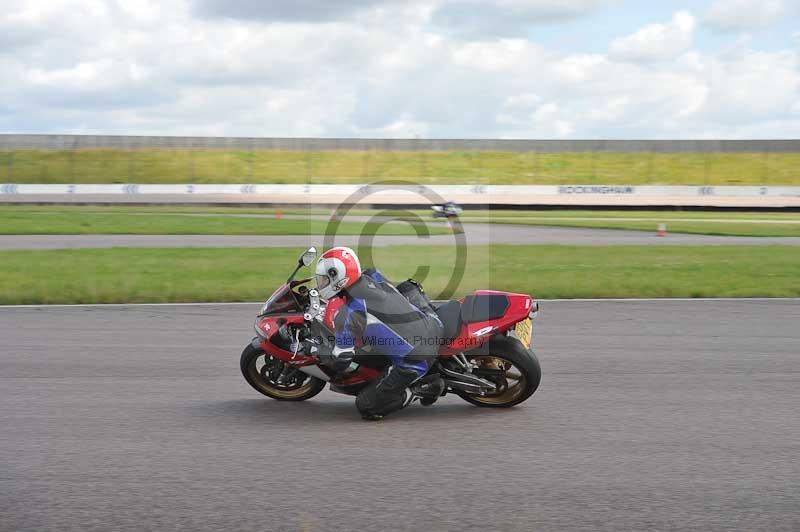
308,256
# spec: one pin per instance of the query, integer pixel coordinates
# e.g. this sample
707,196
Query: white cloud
152,67
736,15
578,68
656,42
743,94
495,56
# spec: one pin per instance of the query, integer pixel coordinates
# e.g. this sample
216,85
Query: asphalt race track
652,415
676,415
475,234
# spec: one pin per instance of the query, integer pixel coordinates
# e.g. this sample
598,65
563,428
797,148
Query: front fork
313,370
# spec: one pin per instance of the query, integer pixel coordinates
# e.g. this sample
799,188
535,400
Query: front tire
261,369
518,380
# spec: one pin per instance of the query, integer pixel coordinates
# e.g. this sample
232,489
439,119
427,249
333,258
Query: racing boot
386,394
429,388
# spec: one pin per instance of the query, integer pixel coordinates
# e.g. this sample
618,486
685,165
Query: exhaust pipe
314,371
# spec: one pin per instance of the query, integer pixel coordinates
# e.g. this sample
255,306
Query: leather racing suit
378,319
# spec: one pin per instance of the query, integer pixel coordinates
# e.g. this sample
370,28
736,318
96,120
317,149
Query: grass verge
122,275
441,167
66,219
22,220
702,223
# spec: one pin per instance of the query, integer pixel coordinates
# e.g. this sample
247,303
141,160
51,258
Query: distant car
447,210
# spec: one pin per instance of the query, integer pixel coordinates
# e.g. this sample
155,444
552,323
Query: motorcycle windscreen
281,301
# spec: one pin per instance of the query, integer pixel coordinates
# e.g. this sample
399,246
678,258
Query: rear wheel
275,379
510,366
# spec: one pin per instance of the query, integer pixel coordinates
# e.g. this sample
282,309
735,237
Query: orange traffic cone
662,230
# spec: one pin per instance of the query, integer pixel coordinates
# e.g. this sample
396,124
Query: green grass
440,167
705,223
23,220
64,219
185,275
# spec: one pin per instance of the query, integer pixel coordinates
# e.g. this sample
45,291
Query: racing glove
343,360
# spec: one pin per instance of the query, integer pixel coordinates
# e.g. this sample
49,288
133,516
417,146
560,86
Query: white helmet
337,269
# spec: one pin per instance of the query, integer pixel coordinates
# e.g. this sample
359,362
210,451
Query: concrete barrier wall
69,142
521,195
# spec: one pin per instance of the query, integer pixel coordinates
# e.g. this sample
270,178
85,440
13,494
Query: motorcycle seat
475,308
450,315
483,307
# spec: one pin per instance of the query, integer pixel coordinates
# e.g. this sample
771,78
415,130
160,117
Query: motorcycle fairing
485,303
270,324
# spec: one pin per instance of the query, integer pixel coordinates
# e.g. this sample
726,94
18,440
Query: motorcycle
485,354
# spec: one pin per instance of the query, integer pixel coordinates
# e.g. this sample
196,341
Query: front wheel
510,366
275,379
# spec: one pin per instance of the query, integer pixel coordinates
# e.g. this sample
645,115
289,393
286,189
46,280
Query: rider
375,314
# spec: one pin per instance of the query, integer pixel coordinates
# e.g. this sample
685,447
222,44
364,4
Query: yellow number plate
524,332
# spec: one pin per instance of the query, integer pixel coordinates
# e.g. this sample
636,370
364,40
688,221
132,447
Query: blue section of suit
360,323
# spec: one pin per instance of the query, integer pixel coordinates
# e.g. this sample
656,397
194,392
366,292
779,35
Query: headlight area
534,310
262,328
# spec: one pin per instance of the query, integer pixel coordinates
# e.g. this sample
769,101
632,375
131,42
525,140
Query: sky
541,69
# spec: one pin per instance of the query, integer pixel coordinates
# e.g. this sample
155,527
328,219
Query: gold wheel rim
271,389
513,380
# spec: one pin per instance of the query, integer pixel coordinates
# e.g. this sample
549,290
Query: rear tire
259,379
508,350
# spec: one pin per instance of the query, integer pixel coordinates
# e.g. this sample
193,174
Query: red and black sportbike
485,354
